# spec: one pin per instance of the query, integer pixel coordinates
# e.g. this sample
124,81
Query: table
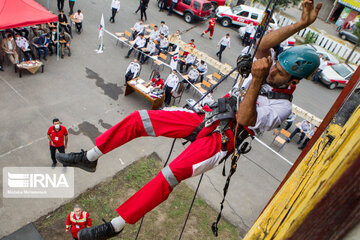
31,66
156,102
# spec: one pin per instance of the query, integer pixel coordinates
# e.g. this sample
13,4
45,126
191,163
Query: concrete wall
326,8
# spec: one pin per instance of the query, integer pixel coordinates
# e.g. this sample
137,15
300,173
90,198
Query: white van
241,15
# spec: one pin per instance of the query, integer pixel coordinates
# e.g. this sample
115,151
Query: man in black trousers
60,5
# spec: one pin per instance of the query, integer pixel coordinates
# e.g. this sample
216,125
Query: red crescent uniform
77,224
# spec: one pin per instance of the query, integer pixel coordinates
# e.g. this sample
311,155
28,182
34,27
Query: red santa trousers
211,30
201,155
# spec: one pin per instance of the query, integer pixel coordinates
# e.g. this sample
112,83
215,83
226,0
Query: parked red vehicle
192,9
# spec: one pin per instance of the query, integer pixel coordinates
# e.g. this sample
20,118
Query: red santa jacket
77,224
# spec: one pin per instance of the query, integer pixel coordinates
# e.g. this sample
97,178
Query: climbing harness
225,111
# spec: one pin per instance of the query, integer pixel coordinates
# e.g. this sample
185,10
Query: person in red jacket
77,220
210,28
56,135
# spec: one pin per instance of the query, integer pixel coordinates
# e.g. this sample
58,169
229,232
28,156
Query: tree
281,4
356,32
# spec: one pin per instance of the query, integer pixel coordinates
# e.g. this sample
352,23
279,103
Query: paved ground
85,91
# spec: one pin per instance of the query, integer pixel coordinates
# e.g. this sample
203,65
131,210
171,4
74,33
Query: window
197,5
206,6
244,14
187,2
254,16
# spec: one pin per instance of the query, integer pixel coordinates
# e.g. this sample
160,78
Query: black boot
77,160
100,232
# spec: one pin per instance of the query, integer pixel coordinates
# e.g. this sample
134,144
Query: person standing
143,7
172,5
211,28
323,64
8,46
58,139
223,43
132,71
170,85
60,5
162,5
77,220
115,7
249,31
71,6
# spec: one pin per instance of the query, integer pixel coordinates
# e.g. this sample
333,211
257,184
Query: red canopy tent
21,13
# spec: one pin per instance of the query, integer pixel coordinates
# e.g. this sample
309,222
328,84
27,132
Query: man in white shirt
308,135
23,44
323,64
138,44
249,31
189,60
155,34
303,127
207,149
132,71
8,46
202,68
163,44
170,84
223,43
150,50
138,28
115,7
164,29
78,19
192,76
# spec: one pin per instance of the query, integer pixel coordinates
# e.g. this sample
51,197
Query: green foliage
310,37
281,4
356,31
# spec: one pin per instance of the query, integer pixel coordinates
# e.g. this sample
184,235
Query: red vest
77,224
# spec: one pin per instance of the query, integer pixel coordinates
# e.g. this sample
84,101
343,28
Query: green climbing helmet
299,61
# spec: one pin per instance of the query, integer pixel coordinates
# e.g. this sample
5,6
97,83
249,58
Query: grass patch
164,222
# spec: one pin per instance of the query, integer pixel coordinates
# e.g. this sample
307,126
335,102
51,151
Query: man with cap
58,139
266,103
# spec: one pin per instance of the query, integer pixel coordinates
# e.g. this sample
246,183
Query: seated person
138,44
308,137
155,34
156,82
172,46
138,28
42,44
40,29
202,68
302,127
5,32
64,24
164,29
192,44
132,71
78,19
8,47
150,50
193,75
163,44
65,40
188,61
23,45
53,41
